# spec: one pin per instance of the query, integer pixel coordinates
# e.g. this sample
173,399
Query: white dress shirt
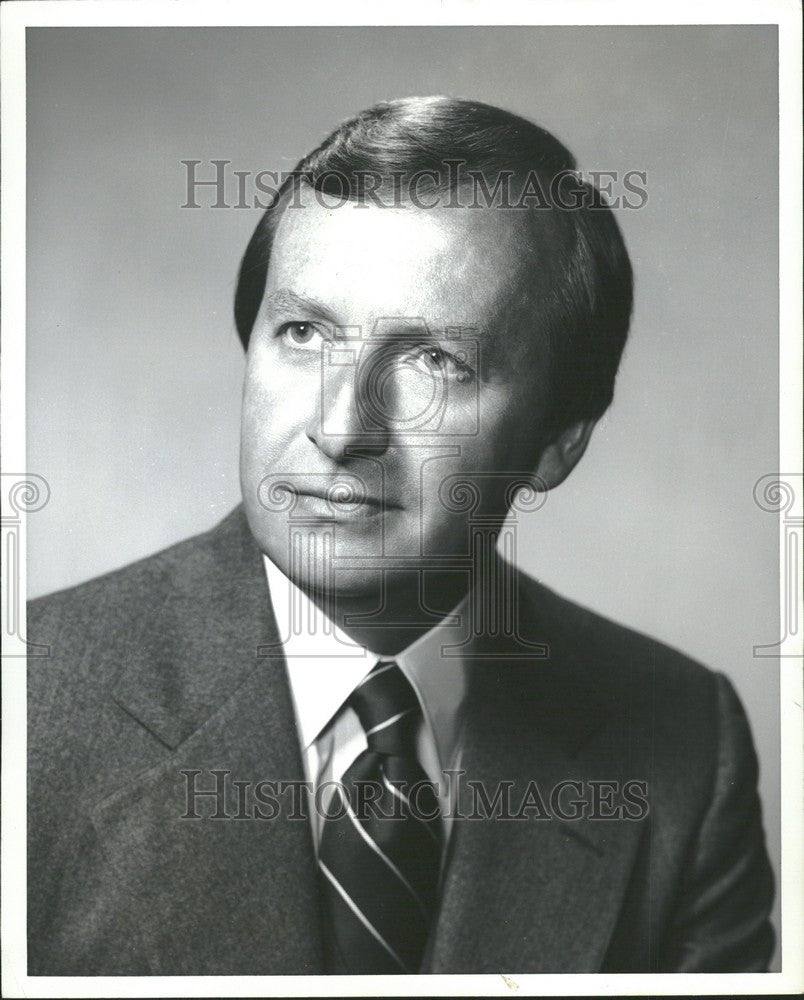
324,667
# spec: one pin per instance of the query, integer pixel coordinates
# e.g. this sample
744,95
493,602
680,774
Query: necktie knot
388,709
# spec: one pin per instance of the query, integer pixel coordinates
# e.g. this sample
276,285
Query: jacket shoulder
621,655
668,707
96,630
87,605
653,707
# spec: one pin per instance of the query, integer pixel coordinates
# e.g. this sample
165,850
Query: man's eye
438,362
435,358
300,334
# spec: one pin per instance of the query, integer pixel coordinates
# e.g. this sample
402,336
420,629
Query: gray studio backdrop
134,369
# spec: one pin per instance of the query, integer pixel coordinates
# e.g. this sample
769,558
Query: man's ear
560,457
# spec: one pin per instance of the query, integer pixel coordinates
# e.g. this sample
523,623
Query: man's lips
342,496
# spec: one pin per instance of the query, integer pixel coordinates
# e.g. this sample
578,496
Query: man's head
433,299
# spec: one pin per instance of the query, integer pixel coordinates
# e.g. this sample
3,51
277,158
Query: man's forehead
454,268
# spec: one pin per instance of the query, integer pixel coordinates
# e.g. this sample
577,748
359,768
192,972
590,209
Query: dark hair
587,312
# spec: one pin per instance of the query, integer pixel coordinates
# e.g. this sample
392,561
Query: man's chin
313,568
345,586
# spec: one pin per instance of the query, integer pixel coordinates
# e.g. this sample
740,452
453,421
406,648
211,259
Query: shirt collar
324,664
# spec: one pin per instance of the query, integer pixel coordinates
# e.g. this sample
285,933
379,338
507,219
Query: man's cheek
266,409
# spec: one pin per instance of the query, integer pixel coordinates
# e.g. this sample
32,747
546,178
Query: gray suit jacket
156,669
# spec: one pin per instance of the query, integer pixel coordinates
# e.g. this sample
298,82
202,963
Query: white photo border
16,17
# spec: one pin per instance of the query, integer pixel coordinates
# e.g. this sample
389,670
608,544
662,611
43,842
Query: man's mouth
340,499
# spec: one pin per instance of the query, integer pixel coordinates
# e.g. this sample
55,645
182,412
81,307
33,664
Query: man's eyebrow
285,300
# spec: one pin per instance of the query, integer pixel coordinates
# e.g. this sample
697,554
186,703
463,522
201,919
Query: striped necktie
380,847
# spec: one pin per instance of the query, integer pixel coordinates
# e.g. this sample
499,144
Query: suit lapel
233,895
535,894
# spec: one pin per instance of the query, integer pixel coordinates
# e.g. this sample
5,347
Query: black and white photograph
402,500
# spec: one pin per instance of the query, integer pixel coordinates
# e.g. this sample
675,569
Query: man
398,754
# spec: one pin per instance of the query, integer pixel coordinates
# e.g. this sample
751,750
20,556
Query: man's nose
345,422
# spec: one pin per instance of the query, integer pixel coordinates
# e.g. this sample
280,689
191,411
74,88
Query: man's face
390,362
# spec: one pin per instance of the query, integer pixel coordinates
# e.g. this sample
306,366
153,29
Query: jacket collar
212,617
